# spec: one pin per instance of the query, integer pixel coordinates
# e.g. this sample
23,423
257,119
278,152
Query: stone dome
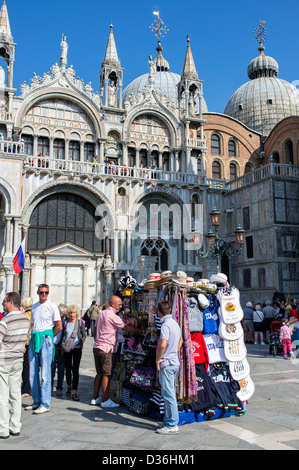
265,100
162,79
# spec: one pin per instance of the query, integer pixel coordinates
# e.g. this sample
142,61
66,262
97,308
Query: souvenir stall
214,376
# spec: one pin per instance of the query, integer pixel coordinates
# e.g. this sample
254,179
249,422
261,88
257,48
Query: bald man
105,331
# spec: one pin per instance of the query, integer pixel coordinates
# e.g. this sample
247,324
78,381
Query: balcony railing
110,171
264,172
10,146
45,164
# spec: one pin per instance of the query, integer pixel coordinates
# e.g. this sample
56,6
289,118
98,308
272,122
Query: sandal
75,397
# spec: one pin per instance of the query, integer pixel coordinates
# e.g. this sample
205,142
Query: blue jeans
41,390
167,377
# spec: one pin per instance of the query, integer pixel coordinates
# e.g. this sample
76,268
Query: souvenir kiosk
214,375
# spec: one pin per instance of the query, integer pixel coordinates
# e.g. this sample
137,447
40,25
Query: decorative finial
260,33
158,26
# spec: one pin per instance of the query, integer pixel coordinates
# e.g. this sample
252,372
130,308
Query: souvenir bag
235,349
195,315
230,331
143,376
246,389
116,384
239,369
230,309
215,348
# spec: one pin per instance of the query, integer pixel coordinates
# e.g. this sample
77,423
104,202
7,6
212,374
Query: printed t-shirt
44,315
107,324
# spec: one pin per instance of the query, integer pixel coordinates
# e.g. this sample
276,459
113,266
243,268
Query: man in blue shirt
167,362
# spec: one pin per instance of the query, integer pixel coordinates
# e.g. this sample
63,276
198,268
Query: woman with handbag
258,324
73,338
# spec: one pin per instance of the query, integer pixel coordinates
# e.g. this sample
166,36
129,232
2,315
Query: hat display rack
214,346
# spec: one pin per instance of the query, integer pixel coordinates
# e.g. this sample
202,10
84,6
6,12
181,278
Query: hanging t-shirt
199,349
215,348
211,319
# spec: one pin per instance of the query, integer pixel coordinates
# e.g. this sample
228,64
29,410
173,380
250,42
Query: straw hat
166,276
152,281
180,279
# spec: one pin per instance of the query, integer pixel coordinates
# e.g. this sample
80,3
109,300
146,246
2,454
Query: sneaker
168,430
58,393
262,343
40,410
109,404
31,407
256,342
285,356
96,401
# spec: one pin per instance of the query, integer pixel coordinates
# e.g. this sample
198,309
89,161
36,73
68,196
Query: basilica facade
124,178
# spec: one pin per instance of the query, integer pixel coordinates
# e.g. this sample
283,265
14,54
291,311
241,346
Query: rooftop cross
158,27
260,33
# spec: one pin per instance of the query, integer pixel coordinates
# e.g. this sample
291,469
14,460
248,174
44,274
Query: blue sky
221,34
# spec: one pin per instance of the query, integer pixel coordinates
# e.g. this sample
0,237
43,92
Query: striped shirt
14,328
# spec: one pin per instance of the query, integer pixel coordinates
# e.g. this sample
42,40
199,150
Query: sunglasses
44,292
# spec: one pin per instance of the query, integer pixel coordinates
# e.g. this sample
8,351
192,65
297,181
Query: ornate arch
96,198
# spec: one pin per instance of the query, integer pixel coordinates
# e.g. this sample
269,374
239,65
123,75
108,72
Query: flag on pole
19,259
156,13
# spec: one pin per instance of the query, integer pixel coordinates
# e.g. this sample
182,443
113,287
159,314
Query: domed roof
165,81
162,79
264,101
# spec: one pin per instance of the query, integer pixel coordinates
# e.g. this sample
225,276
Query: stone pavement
271,421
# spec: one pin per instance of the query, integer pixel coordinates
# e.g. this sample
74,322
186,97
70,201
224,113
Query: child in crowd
285,337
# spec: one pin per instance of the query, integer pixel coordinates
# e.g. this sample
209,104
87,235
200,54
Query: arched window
59,149
216,170
248,168
88,151
43,146
275,157
156,247
74,150
288,152
64,217
215,144
28,144
232,171
232,148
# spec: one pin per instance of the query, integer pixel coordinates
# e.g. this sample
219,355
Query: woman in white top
258,324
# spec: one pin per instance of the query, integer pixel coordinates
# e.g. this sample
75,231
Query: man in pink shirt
105,331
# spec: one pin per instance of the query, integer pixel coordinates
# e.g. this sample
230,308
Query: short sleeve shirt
44,315
171,331
107,325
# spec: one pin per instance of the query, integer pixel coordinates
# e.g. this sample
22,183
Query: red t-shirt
199,348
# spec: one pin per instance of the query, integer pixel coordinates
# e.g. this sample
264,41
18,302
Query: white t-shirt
44,315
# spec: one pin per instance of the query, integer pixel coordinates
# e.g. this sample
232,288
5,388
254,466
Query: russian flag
19,259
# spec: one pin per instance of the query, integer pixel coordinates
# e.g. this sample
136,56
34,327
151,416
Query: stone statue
64,47
152,71
112,95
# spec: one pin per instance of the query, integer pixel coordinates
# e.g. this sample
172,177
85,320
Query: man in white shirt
46,324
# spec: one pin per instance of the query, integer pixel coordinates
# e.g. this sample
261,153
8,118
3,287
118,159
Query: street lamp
218,246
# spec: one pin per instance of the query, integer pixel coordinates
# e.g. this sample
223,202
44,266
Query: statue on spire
64,47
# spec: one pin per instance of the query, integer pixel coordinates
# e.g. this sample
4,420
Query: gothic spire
4,22
111,56
189,66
